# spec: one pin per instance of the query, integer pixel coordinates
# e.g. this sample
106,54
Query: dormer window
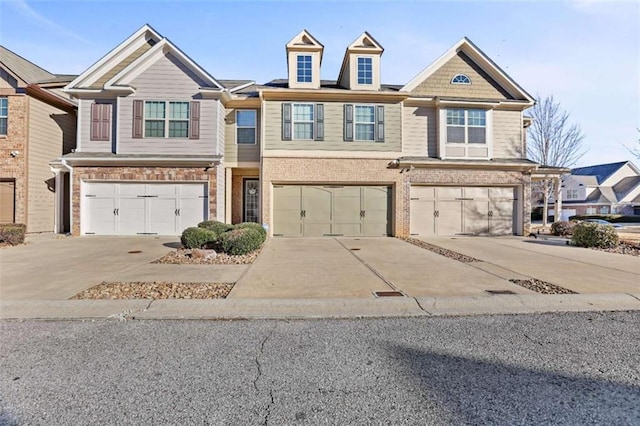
365,70
460,79
304,69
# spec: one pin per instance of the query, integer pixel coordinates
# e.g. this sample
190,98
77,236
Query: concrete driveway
358,267
579,269
55,267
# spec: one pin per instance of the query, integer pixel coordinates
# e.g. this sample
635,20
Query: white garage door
448,211
142,208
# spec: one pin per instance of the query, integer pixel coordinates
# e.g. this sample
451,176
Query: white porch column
558,196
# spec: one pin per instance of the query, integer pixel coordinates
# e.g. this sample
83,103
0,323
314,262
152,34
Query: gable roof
21,68
121,65
365,43
600,171
479,58
304,39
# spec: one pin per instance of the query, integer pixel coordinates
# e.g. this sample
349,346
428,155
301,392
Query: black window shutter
137,119
379,130
286,122
348,122
319,124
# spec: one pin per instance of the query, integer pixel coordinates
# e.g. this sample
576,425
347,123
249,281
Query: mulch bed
203,257
542,286
442,251
631,248
155,290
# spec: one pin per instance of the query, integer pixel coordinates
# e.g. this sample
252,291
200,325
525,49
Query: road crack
259,373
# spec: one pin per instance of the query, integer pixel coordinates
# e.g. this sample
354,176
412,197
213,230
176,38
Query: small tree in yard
552,141
635,149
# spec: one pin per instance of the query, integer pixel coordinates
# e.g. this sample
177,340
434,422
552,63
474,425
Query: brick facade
471,177
350,171
15,168
139,175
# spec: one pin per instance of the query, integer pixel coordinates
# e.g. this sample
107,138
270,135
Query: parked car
603,222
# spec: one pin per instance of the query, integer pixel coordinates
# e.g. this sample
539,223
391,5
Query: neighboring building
37,123
602,189
163,145
150,141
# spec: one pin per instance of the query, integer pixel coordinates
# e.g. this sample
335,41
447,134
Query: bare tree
553,141
635,150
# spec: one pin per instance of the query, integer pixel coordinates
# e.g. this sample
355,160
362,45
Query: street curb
217,309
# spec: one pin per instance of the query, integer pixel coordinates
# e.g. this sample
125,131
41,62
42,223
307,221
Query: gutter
211,161
50,98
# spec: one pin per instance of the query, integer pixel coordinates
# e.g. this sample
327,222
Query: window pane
303,131
3,126
178,129
246,135
365,114
304,68
246,118
303,112
154,109
455,134
364,132
179,110
477,135
455,117
365,71
154,129
476,117
4,104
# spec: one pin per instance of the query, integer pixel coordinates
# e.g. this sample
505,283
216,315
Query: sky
586,53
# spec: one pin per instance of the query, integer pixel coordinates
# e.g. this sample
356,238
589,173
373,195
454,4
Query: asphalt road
525,369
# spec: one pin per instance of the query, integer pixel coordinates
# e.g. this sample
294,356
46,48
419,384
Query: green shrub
241,241
562,228
12,233
588,234
197,237
253,225
218,228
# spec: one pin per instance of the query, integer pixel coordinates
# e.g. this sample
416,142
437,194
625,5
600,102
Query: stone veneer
16,140
470,177
139,175
352,171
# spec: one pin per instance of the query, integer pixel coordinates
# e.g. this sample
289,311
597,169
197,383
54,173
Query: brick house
37,123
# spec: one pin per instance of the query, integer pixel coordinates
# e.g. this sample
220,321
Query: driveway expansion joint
369,267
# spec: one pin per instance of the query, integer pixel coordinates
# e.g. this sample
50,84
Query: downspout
70,168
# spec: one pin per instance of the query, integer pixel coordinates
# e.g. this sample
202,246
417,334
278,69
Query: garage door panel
317,203
347,206
504,193
476,192
7,202
100,217
449,193
162,216
423,192
164,190
376,202
131,216
422,218
449,218
105,190
287,205
192,212
476,217
502,218
193,191
131,190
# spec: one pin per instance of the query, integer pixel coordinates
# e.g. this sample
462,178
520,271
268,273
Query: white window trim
355,139
166,119
5,116
254,127
442,142
457,82
293,121
372,73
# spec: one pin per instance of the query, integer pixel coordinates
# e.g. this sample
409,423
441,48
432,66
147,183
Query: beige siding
239,153
85,144
333,131
168,80
51,134
420,132
507,134
482,86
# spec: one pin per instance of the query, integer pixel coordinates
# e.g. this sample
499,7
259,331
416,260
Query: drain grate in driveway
388,294
134,251
354,249
500,292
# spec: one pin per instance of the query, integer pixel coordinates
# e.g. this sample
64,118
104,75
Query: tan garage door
448,211
330,210
7,201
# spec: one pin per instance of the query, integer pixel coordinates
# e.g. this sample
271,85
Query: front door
251,193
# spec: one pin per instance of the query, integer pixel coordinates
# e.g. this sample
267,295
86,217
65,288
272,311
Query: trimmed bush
218,228
195,238
253,225
588,234
562,229
241,241
12,233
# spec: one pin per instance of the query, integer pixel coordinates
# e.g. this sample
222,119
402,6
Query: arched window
460,79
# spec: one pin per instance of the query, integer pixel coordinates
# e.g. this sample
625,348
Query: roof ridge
25,60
